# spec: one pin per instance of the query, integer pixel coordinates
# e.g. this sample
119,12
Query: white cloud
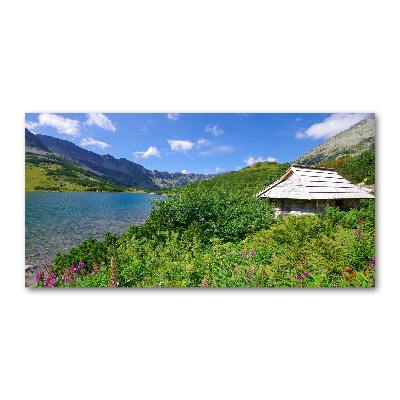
173,117
151,151
92,142
63,125
214,129
252,160
298,119
31,125
238,168
185,172
206,170
100,120
202,142
181,145
218,169
217,150
330,126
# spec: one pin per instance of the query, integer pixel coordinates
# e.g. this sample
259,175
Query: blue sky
199,143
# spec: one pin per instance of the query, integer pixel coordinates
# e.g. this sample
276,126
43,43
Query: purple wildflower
204,283
39,276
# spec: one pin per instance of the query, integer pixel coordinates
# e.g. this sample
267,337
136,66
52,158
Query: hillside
254,177
118,172
358,169
350,142
53,173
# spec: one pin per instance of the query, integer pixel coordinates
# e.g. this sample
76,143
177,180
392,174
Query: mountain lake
56,222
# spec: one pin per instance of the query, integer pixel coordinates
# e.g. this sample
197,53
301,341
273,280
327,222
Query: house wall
304,207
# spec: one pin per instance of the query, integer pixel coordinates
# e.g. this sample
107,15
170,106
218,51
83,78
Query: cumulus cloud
92,142
151,151
100,120
252,160
214,129
181,145
185,172
63,125
173,117
218,169
330,126
238,168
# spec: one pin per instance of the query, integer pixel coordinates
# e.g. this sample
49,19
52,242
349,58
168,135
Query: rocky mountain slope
351,142
120,171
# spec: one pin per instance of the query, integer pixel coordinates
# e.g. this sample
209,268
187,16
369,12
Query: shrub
211,213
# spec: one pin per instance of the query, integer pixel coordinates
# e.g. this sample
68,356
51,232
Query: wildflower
244,255
252,252
39,276
204,283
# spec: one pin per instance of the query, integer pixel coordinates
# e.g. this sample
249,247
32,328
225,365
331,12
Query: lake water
56,222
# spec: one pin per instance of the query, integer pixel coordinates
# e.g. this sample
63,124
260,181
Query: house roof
312,183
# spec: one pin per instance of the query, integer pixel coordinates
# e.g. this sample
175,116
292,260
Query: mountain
350,142
34,144
120,171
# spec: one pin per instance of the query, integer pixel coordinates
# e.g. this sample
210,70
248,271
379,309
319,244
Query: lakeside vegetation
215,233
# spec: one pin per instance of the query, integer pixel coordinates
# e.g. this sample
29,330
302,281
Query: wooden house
308,190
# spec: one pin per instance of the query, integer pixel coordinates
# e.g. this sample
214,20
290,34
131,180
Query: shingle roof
312,183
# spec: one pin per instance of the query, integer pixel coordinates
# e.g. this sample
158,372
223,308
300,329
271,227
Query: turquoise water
56,222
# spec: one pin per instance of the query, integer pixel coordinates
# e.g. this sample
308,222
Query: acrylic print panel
200,200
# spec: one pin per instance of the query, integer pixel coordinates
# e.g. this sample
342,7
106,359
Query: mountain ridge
349,142
120,171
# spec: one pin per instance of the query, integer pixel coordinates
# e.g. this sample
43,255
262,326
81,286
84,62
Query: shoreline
30,275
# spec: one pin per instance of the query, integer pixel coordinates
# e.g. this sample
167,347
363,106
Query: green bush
211,213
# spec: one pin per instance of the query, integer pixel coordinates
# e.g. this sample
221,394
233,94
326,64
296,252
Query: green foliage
350,219
89,252
217,212
355,169
217,235
254,177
